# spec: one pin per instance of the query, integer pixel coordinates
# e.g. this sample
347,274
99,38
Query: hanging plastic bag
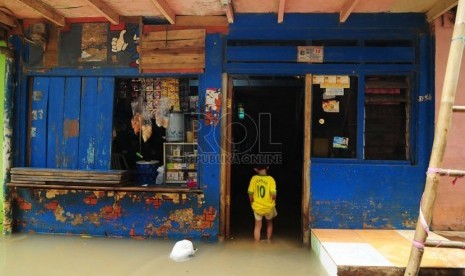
137,110
136,123
146,125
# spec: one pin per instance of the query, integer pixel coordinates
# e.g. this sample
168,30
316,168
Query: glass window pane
386,118
334,116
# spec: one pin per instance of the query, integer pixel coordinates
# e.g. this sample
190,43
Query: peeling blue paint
90,156
111,214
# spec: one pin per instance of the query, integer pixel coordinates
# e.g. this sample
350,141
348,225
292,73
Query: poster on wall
213,100
94,42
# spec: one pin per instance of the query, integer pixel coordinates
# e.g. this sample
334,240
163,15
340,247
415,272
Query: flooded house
144,118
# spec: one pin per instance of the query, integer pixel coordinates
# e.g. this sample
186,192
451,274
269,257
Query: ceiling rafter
46,11
440,8
228,9
282,4
347,9
105,10
7,20
166,10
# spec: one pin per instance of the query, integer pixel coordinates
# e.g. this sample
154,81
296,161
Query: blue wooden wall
71,122
351,193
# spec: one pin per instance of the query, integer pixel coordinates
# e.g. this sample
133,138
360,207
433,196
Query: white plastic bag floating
182,251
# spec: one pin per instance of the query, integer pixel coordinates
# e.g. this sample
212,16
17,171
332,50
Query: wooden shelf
186,164
159,189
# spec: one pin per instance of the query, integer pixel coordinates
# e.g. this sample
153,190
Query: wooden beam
165,9
5,19
211,23
46,11
228,9
105,10
202,21
282,3
51,53
347,9
441,7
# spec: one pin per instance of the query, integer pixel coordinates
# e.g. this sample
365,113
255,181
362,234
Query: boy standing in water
262,196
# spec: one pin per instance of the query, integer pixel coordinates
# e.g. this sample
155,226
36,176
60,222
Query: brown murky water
35,254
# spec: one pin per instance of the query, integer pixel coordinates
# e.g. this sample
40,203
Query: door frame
225,168
306,164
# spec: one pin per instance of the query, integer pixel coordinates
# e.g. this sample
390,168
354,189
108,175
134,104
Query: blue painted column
210,136
425,100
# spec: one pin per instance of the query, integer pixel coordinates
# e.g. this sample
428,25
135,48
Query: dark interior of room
272,127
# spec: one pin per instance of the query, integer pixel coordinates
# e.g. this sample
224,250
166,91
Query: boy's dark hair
260,166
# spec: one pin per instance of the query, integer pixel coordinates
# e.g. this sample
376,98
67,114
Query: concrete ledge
380,252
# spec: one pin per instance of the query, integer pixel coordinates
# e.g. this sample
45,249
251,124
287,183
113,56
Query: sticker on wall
340,142
212,106
312,54
334,92
94,42
332,81
331,106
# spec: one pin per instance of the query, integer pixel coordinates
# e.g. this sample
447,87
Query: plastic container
175,130
146,172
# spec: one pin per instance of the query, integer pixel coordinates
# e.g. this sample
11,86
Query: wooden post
7,149
306,183
442,126
223,169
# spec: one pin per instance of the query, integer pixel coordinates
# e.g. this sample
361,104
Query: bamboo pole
459,108
450,244
442,126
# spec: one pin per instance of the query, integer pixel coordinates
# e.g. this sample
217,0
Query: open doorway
267,123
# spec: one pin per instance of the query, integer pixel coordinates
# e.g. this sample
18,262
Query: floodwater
35,254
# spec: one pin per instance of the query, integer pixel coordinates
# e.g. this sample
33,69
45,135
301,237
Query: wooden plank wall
71,122
38,123
173,49
54,121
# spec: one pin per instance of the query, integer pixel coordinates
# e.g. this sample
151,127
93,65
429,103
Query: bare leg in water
269,230
257,230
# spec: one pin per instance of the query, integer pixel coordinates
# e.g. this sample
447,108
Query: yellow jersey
263,188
